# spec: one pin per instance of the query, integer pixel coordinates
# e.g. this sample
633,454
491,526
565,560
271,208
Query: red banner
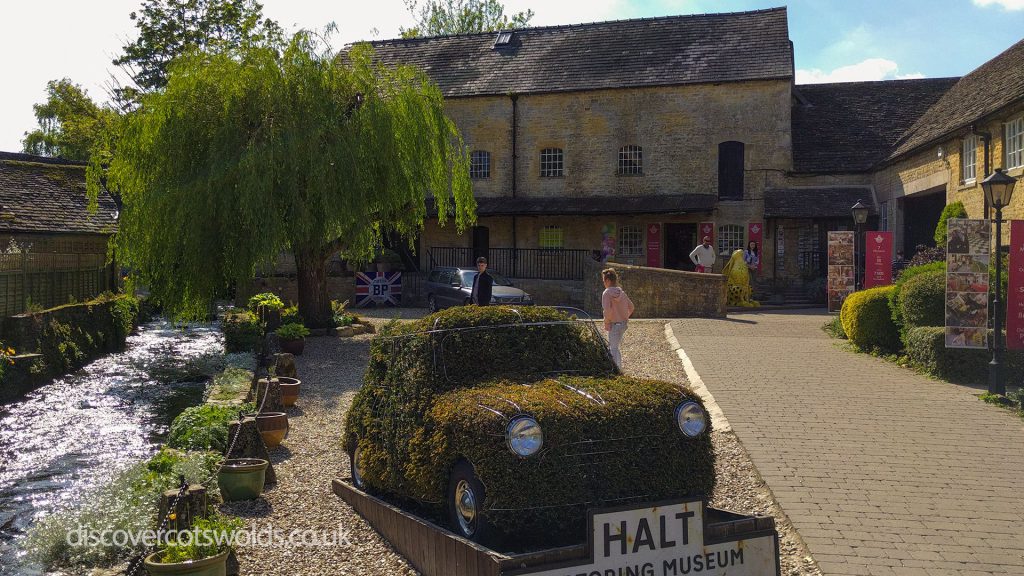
755,231
706,229
1015,291
654,245
878,261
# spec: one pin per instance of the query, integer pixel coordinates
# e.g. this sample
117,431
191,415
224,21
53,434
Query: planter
293,346
212,566
242,478
273,427
289,390
272,317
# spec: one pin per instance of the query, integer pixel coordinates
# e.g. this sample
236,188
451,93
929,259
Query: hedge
954,210
458,388
905,276
867,320
242,331
922,300
926,348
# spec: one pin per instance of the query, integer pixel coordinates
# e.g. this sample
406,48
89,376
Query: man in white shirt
703,256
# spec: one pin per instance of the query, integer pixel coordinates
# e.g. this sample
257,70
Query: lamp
998,189
860,216
860,213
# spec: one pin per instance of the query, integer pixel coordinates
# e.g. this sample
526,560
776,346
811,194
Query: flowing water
67,436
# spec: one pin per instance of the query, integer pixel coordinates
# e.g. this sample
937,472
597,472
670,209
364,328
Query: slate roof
663,51
40,194
989,88
591,205
832,202
852,126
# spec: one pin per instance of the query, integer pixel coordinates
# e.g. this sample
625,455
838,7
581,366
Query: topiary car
512,422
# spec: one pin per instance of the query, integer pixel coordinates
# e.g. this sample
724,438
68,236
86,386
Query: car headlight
524,436
691,418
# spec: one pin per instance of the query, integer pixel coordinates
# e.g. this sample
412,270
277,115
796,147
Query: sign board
755,232
878,265
841,275
654,245
706,229
378,289
667,540
1015,288
967,258
607,243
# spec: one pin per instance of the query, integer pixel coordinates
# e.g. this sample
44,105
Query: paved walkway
881,471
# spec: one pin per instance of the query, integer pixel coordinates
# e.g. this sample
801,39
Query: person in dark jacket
482,284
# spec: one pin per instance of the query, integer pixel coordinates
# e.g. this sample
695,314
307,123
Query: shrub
922,300
926,348
867,320
954,210
904,277
834,328
265,300
220,530
292,331
204,427
242,332
290,315
927,255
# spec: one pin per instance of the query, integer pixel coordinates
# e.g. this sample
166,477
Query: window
631,241
1014,143
883,217
551,165
730,171
551,237
631,161
969,159
480,164
730,239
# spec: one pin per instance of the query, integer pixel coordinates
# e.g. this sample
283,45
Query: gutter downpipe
515,109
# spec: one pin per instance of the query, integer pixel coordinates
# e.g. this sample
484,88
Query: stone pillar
249,444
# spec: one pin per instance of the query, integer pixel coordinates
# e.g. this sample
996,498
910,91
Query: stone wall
659,293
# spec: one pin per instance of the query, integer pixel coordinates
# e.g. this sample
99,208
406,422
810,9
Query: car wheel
356,465
431,303
466,503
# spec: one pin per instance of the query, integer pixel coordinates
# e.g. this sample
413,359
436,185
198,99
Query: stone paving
882,471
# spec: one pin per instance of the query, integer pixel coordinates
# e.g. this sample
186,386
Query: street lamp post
998,189
860,216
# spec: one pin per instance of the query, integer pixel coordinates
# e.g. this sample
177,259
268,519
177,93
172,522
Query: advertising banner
706,229
967,258
841,276
378,289
755,231
878,264
607,243
654,245
1015,289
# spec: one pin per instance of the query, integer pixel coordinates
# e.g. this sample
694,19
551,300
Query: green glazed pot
212,566
242,478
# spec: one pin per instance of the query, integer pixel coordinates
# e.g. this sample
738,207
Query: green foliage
954,210
448,17
70,123
204,427
242,331
209,538
235,380
867,320
926,348
834,328
292,332
266,301
341,316
259,151
125,311
903,278
290,315
922,300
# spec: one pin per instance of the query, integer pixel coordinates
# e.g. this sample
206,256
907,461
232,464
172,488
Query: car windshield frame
467,277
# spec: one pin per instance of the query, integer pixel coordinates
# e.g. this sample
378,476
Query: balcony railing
538,263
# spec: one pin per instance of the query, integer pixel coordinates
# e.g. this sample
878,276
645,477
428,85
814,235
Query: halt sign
667,540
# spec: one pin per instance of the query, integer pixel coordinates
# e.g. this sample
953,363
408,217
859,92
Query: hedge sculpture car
512,422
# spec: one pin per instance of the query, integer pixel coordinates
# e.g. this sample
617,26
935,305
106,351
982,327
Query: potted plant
242,478
205,553
267,306
293,337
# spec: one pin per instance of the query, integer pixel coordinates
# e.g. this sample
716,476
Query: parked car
511,422
450,286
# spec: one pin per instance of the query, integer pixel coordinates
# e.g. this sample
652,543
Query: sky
834,40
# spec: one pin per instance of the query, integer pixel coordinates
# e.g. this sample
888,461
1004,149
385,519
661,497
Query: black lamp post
860,216
998,189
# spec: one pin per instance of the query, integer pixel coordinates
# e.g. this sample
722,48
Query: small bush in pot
268,307
293,337
204,552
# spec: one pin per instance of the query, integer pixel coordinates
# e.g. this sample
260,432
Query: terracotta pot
289,390
242,478
293,346
212,566
273,426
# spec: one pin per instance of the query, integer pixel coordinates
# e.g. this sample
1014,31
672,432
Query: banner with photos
841,276
968,244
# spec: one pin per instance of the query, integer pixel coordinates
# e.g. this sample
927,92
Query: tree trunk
314,302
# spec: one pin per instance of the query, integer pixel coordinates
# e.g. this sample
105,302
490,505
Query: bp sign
668,540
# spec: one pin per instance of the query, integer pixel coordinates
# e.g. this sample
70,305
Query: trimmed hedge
954,210
904,277
432,399
926,348
867,320
922,300
242,331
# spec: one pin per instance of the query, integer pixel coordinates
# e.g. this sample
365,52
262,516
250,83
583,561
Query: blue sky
834,40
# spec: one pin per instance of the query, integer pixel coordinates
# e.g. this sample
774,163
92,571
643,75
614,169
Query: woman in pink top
617,309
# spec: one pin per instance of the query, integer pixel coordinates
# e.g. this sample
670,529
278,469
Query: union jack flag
378,289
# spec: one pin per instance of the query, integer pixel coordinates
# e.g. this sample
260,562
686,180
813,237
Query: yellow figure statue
737,278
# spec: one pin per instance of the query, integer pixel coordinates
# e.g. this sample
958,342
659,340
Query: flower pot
273,427
293,346
242,478
289,390
272,317
212,566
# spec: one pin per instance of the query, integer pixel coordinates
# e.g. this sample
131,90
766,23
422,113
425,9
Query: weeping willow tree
245,155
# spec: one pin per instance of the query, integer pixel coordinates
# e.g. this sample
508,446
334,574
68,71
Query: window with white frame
631,161
631,241
969,159
551,237
480,164
730,239
1014,143
883,217
551,165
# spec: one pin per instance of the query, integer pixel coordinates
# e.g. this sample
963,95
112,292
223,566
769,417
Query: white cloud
1006,4
870,69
